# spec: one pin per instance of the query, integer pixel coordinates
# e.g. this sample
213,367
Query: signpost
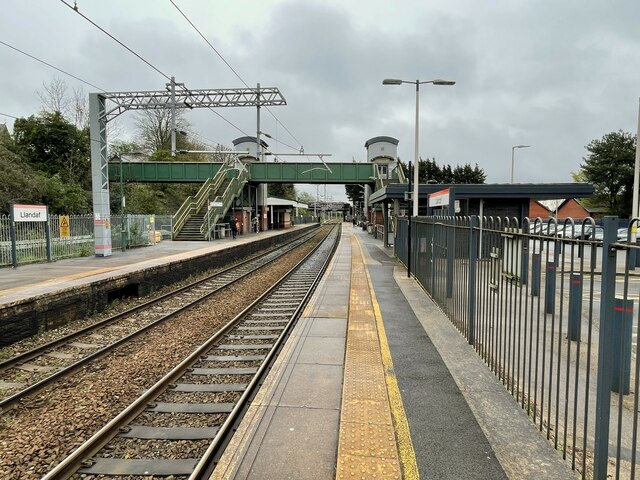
439,198
28,213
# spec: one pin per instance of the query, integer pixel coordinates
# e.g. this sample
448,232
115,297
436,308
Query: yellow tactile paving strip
374,434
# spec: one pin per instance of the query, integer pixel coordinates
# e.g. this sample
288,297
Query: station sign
29,213
439,198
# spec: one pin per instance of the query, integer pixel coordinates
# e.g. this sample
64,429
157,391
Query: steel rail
10,401
93,445
37,351
204,467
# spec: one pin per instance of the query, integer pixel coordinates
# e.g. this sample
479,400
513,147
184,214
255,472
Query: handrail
378,179
193,204
213,214
188,207
400,173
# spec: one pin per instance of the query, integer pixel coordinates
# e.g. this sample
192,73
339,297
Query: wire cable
7,115
209,43
75,9
280,142
49,65
235,73
287,130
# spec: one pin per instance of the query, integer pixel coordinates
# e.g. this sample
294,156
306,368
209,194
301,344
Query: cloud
555,75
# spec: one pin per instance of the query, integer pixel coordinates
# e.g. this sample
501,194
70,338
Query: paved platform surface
41,278
461,421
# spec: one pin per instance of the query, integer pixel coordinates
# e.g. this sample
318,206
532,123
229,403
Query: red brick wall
537,210
572,209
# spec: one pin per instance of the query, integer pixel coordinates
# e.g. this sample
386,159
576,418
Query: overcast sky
552,74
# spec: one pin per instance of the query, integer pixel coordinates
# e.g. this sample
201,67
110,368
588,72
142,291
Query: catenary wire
7,115
50,65
236,74
75,9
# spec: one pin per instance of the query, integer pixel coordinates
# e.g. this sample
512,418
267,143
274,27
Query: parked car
623,234
597,234
539,228
573,231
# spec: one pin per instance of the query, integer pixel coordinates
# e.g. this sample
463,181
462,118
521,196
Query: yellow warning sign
65,231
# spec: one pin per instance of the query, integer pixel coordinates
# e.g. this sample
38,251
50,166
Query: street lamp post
513,150
417,83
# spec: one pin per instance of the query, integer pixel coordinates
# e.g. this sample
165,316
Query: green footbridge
222,183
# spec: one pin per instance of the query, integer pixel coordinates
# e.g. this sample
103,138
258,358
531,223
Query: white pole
636,173
513,149
415,159
173,117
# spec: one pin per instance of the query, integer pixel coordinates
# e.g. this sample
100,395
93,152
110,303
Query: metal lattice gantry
186,98
171,98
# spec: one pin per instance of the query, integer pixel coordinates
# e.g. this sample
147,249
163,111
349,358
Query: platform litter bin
221,229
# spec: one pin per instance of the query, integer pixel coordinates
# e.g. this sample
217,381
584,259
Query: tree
17,179
355,193
74,105
282,190
22,183
53,96
430,172
154,129
5,136
609,167
466,174
54,146
306,197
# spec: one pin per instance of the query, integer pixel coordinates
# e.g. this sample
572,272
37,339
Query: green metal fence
31,243
552,309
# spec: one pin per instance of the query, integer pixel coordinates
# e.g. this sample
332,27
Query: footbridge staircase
197,217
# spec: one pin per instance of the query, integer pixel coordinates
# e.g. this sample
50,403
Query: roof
552,205
285,202
383,138
536,191
239,140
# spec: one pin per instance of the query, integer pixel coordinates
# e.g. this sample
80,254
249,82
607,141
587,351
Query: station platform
32,280
375,382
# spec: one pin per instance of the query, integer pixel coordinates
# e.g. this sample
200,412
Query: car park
623,234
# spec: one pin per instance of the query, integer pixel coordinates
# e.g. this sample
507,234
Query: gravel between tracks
38,434
114,307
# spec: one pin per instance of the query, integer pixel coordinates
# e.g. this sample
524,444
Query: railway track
33,370
180,425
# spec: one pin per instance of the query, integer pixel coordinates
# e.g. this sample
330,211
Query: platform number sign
65,230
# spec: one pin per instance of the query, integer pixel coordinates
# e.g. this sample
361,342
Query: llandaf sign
29,213
23,214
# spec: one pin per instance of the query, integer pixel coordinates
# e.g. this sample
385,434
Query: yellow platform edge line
408,461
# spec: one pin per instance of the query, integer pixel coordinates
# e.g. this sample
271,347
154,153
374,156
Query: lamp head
391,81
443,82
521,146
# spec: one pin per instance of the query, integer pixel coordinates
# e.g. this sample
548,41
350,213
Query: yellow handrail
400,173
193,204
214,214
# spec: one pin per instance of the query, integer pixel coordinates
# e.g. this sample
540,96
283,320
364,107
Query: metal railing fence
555,317
31,243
